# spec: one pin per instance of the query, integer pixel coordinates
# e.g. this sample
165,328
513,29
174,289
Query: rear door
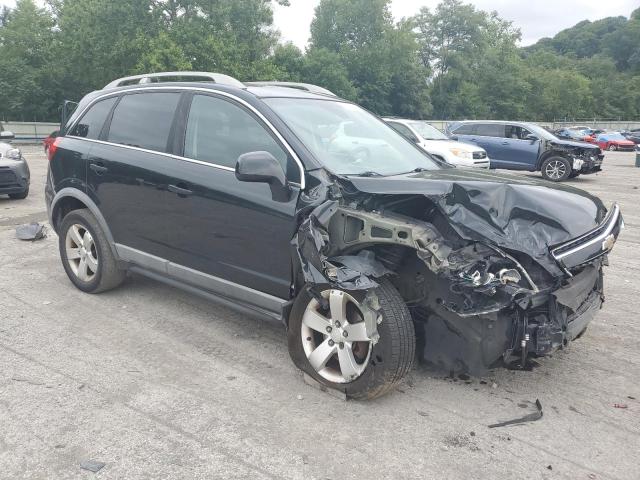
490,137
129,170
217,225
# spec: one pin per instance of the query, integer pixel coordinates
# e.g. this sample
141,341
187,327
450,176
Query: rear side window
144,120
219,131
465,129
490,130
91,123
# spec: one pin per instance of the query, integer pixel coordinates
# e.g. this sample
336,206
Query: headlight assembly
13,154
458,152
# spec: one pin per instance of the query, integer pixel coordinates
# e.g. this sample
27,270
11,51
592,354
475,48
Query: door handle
98,168
181,192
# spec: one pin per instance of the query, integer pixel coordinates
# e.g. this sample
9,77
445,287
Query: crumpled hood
573,143
511,211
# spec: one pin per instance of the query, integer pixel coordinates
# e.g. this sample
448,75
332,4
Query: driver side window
219,131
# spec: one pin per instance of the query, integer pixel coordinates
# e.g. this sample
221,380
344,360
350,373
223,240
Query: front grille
7,177
479,155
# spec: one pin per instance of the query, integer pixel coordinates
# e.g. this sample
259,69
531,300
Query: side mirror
7,135
262,167
531,138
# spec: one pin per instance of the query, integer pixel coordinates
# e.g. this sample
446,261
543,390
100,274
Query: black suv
299,206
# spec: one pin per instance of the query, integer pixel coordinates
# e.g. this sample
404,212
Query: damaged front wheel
361,343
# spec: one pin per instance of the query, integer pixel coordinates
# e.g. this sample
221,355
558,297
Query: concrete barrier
30,132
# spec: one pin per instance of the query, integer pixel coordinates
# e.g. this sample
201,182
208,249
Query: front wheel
328,340
556,169
612,148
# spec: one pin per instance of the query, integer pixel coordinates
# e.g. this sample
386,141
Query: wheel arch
69,199
549,154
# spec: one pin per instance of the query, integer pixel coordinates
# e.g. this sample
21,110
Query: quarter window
91,123
218,132
144,120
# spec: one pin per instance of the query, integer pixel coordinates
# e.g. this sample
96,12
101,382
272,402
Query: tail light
52,148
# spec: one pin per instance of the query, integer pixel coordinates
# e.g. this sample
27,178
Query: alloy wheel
81,251
612,148
556,169
334,338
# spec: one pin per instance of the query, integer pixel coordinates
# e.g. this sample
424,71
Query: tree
26,42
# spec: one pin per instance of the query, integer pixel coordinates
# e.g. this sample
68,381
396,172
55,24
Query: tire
100,267
612,148
19,196
556,169
386,362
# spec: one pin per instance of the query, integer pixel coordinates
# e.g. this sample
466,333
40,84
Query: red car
46,143
614,141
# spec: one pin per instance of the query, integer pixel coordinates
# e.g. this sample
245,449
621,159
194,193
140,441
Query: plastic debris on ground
31,231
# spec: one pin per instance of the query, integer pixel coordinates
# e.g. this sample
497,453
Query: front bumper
13,178
590,165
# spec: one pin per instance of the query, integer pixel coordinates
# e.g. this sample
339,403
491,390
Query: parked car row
606,140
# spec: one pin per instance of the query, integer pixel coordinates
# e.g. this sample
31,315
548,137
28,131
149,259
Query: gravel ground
156,383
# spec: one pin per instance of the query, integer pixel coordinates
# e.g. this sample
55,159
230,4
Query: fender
93,208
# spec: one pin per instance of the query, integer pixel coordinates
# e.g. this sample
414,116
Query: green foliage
453,61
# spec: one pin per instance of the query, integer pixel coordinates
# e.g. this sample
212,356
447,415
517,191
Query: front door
218,225
519,153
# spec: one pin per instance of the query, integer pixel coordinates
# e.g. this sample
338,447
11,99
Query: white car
437,144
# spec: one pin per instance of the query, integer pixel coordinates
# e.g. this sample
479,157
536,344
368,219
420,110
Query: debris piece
26,380
92,465
532,417
300,397
473,434
231,377
549,467
620,405
464,377
31,231
630,397
46,302
423,414
591,476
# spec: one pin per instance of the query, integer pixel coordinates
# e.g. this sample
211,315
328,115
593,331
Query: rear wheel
86,255
556,169
328,340
612,148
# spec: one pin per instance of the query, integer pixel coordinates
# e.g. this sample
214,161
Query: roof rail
170,76
307,87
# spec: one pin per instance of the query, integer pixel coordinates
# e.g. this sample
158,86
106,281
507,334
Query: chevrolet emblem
608,243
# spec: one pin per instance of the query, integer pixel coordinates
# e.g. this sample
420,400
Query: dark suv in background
257,197
527,146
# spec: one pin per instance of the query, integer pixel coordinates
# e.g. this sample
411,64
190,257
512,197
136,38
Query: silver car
14,171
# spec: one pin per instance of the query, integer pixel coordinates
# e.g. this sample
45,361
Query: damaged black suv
293,204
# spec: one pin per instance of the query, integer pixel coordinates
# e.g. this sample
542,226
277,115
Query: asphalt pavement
155,383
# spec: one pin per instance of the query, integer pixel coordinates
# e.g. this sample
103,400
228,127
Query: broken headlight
458,152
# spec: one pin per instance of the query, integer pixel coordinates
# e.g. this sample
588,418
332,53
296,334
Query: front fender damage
473,303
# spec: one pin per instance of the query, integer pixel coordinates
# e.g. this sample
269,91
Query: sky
535,18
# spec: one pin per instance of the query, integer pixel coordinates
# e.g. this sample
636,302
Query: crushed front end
491,272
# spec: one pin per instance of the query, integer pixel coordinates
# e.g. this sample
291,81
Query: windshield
540,132
428,132
348,140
